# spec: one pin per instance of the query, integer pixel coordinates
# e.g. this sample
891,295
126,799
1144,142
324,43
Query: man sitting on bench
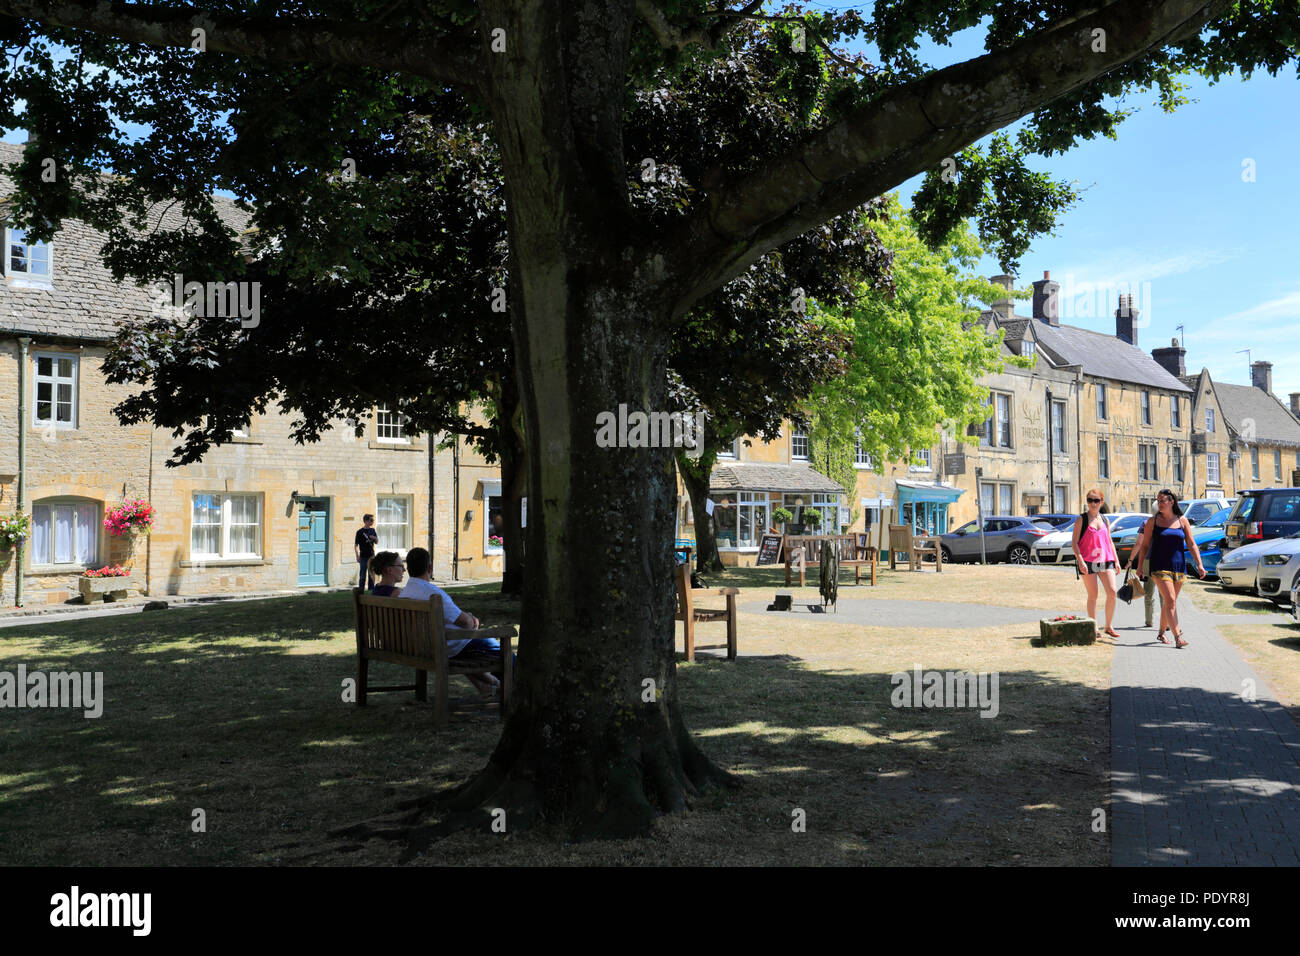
420,587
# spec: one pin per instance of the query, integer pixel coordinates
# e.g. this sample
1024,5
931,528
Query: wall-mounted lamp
469,515
293,496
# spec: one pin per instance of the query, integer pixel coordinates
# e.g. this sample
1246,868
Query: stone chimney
1171,359
1295,404
1005,308
1126,318
1261,375
1046,305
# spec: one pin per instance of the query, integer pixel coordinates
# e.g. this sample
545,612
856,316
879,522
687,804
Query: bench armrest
721,592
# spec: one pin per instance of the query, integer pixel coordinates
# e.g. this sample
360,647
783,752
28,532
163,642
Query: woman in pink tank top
1094,555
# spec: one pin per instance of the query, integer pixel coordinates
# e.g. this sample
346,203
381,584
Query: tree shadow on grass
249,726
1203,778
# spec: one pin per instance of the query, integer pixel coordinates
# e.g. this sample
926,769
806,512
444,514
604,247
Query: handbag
1125,592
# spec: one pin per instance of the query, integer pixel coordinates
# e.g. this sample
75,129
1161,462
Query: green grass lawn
236,709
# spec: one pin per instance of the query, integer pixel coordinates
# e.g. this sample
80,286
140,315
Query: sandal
1112,632
1178,640
1161,638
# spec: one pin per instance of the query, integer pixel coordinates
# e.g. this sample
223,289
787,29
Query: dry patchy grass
237,710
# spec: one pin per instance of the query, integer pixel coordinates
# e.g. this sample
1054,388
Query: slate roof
85,303
755,476
1100,355
1273,422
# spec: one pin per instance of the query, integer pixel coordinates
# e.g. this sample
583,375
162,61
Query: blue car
1207,536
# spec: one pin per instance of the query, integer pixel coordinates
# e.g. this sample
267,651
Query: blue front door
313,540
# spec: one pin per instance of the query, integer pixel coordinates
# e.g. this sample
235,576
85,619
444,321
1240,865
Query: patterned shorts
1176,576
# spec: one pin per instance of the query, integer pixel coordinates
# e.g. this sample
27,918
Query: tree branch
907,130
276,39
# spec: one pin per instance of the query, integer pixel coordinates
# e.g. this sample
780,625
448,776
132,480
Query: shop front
924,505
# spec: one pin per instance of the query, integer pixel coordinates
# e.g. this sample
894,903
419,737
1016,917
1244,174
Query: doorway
313,541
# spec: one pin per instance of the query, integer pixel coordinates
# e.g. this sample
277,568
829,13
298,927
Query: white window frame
1059,449
1064,492
25,277
1212,467
1103,459
1175,411
1277,464
1146,407
1209,419
733,451
226,504
487,523
927,464
1103,409
408,500
1002,426
385,410
1147,468
1178,463
54,380
861,459
796,438
1254,463
96,526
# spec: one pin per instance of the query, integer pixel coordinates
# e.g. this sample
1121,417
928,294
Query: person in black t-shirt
367,541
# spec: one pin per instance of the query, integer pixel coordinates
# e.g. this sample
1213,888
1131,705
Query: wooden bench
413,633
803,550
689,614
915,547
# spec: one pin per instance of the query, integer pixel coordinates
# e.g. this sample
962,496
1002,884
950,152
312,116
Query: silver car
1239,568
1278,573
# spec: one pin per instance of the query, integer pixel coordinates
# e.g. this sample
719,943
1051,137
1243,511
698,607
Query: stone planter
100,589
1057,633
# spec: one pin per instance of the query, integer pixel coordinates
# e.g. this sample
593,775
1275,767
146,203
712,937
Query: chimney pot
1047,306
1126,321
1295,404
1261,375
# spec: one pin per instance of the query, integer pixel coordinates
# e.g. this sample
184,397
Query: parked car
1207,537
1055,547
1200,510
1239,568
1006,538
1279,572
1261,514
1056,521
1295,602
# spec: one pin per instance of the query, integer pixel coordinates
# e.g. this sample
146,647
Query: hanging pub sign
769,549
954,464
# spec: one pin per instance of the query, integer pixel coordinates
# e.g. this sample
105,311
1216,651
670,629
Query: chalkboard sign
769,549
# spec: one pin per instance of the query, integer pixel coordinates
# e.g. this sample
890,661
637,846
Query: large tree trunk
594,738
695,477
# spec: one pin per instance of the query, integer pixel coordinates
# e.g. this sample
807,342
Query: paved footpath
1199,775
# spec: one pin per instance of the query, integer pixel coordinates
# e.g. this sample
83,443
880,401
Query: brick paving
1200,776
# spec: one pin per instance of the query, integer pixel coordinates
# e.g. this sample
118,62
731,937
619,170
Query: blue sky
1165,214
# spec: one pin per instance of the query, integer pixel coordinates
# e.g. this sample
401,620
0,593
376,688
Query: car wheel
947,555
1018,554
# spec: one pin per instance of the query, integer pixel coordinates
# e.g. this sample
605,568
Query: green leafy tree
916,356
598,282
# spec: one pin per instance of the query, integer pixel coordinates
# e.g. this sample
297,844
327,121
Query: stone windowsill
397,446
227,563
55,569
242,440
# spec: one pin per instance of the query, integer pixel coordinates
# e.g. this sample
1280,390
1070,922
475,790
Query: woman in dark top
1164,536
387,569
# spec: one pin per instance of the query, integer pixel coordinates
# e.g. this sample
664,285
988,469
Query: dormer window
27,262
1027,347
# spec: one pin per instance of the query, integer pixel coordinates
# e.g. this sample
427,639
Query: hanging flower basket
14,528
130,517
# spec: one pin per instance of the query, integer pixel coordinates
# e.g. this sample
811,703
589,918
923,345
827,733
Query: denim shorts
1096,566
